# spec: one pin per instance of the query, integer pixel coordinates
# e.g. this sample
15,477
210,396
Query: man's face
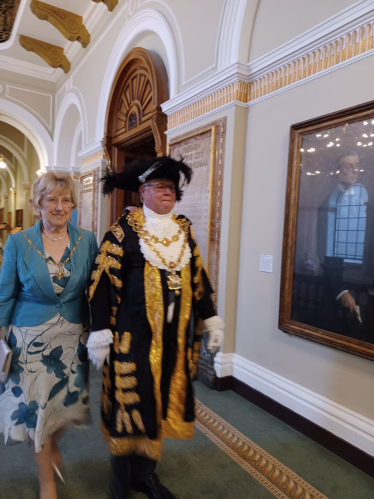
159,195
349,167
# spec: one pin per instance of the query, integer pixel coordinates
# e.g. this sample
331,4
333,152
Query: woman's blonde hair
52,181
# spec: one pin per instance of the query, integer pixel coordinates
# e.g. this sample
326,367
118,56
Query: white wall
278,22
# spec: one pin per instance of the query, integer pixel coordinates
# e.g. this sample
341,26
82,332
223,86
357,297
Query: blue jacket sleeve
94,249
9,282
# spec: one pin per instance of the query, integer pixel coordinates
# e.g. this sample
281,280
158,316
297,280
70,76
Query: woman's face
55,209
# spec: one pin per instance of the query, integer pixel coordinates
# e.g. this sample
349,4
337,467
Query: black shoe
153,488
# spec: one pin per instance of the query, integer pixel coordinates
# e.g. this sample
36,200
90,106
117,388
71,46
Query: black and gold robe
147,390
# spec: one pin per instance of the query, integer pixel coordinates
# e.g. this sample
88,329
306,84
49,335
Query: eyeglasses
162,187
53,202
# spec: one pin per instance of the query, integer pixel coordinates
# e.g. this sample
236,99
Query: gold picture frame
329,232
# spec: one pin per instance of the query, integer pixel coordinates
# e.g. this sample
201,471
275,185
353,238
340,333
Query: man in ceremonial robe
149,290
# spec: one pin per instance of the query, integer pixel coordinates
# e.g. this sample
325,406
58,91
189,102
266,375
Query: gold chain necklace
136,221
60,272
165,241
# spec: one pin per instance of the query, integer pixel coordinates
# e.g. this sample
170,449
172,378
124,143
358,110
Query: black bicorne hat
133,176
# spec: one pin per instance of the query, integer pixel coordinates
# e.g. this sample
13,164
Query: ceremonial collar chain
136,220
60,266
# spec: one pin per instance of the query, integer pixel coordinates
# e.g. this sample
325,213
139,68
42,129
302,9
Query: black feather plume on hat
160,168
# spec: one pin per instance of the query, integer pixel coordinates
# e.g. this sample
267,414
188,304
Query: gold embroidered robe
147,390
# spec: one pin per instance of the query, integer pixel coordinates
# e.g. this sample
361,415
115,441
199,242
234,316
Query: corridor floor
238,452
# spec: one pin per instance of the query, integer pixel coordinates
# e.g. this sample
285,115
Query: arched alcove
24,121
146,21
71,116
135,124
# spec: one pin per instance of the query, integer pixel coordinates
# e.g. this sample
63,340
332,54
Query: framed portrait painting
327,286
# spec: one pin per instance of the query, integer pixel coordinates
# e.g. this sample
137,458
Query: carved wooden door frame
134,111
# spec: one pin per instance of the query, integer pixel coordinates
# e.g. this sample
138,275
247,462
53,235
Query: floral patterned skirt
47,387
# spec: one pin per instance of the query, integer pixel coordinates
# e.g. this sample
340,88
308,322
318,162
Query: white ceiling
30,25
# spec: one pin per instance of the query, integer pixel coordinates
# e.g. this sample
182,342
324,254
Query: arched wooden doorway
135,124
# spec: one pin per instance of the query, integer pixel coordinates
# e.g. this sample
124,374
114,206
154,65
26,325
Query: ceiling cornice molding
326,33
70,25
92,148
27,69
215,82
322,34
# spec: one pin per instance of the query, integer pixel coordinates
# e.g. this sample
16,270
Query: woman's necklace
136,221
54,238
60,266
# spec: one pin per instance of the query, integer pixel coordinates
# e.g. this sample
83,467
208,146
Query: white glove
98,346
215,340
214,325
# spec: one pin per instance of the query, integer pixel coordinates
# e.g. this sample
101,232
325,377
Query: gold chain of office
136,221
60,266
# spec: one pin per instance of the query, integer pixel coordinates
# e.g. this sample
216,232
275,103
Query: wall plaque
87,201
202,150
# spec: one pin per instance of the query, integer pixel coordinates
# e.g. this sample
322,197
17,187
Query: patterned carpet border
277,478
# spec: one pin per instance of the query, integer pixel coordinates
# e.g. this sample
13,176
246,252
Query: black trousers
128,471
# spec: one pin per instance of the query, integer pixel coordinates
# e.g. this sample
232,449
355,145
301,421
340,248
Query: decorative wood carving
111,4
135,123
52,55
69,24
8,12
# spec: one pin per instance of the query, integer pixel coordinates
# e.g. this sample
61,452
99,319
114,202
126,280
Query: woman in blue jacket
44,314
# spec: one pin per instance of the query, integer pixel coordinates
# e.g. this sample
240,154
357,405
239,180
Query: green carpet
322,469
196,469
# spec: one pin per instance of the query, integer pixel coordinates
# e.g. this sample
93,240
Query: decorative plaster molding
346,424
227,50
26,185
51,54
326,54
70,25
74,144
146,20
9,96
26,68
321,34
7,168
237,91
212,113
30,126
17,154
92,148
111,4
71,170
72,98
